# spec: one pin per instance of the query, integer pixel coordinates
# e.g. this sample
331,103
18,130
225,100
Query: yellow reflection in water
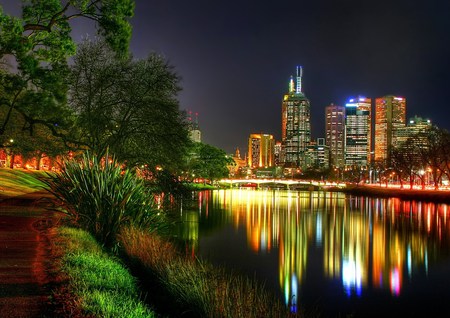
361,239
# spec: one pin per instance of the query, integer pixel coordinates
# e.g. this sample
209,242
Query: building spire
298,89
291,85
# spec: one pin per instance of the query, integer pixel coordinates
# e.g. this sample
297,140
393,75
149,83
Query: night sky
235,57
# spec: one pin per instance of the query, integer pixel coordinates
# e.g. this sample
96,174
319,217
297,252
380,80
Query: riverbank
437,196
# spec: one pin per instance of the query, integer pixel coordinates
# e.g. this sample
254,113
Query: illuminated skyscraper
358,131
335,133
261,151
416,128
318,154
295,124
390,115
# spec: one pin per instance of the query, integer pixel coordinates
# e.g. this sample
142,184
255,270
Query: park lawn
20,182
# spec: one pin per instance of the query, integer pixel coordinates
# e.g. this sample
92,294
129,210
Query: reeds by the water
208,291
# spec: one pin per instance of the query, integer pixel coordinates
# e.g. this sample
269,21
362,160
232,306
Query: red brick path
25,260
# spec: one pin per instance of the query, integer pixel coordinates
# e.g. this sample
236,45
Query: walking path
25,259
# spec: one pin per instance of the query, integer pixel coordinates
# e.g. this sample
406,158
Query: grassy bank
192,288
20,182
95,284
104,199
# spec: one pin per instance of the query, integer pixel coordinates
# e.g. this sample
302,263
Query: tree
35,49
406,161
209,163
434,152
135,115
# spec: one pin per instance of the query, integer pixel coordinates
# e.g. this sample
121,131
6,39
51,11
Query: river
329,254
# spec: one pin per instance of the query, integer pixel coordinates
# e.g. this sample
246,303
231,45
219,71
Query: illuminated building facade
358,131
413,128
318,154
335,134
277,153
261,151
390,116
295,124
238,168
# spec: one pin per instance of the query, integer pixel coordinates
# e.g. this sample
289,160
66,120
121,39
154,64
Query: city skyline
235,58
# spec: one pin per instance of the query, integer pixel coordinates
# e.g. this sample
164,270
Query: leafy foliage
102,197
208,162
35,49
135,115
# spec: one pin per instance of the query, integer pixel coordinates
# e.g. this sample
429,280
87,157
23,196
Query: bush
101,197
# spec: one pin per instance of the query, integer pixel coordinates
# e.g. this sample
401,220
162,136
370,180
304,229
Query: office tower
295,124
260,151
358,132
277,153
413,129
390,115
318,154
335,134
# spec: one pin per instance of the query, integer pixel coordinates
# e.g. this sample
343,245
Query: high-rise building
335,134
295,124
390,116
317,155
413,129
358,131
277,153
261,151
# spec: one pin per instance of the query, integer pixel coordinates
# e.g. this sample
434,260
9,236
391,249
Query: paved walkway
25,259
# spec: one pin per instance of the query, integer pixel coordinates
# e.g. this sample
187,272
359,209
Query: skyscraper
358,131
335,134
390,116
295,124
416,128
261,151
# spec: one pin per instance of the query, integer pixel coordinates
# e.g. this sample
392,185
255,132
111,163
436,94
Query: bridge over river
271,183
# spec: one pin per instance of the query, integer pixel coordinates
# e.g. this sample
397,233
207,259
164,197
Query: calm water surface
329,253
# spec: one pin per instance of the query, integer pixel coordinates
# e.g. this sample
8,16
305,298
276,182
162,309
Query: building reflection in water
364,241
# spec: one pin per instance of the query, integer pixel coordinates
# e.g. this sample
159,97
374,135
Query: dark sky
235,57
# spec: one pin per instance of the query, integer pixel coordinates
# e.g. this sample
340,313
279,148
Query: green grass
102,284
17,182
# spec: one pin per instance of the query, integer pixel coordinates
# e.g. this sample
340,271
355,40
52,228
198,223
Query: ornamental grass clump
101,196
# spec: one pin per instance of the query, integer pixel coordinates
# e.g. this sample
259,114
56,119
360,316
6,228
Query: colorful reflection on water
331,250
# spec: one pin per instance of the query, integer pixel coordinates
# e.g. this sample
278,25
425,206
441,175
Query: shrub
101,197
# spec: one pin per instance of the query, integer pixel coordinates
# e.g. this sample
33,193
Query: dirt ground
26,261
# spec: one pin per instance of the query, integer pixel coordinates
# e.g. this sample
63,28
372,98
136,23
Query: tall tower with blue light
295,124
358,132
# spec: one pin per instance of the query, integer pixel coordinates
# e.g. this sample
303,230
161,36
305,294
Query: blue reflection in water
351,277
